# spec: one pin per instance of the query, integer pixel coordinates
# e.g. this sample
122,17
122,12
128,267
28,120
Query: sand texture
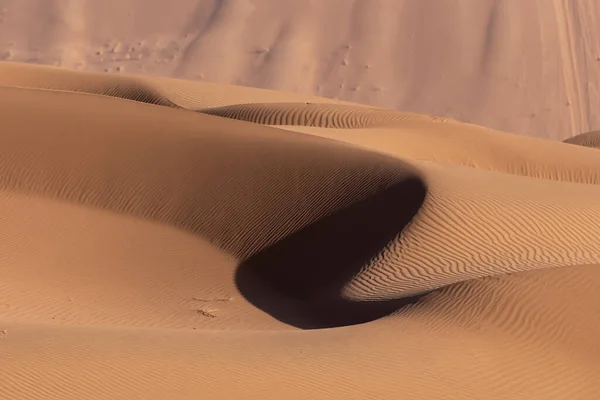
166,239
522,66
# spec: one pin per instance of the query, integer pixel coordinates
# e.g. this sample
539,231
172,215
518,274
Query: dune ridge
316,115
167,244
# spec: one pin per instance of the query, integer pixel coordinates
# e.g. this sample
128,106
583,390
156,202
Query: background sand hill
528,67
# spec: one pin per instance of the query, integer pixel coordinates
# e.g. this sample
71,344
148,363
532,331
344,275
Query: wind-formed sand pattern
164,239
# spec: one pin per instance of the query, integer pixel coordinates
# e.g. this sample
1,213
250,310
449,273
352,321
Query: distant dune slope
524,67
165,240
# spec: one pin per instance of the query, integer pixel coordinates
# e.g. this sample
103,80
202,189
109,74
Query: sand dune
171,240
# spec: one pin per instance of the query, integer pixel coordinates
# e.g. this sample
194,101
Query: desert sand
170,239
258,199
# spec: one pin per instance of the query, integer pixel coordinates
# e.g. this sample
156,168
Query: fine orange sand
166,239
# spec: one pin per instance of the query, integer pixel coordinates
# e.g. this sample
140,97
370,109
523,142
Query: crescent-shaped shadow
299,279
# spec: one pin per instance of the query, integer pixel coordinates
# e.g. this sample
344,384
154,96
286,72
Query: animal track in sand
209,312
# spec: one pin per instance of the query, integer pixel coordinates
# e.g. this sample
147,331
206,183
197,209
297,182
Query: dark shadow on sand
298,280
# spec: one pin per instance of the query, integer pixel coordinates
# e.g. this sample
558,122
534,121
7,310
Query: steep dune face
165,240
524,67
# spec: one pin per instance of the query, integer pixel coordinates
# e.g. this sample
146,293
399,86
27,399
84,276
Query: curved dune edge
588,139
132,232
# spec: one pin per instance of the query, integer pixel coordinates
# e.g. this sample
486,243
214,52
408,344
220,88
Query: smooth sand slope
165,240
528,67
